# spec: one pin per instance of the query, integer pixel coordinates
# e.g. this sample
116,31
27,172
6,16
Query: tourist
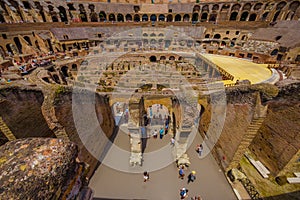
199,149
146,176
181,172
154,134
166,129
172,141
161,133
191,177
183,193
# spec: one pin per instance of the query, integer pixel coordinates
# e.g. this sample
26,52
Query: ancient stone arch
102,16
2,20
252,17
28,40
111,17
161,17
120,18
196,8
216,7
169,18
233,16
257,6
244,16
137,18
204,17
128,17
195,17
153,18
145,17
63,14
18,44
177,18
247,7
236,7
186,18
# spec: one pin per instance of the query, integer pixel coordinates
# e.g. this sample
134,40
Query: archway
233,16
145,17
37,45
64,71
162,58
217,36
2,20
169,18
213,17
264,16
18,44
195,17
244,16
161,17
274,52
111,17
137,18
204,17
28,40
128,18
186,18
83,17
54,18
74,67
63,14
102,16
120,18
171,58
9,49
252,17
178,18
152,58
196,8
276,16
153,18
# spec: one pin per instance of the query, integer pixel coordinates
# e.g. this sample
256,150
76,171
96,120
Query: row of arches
237,11
16,47
247,7
156,58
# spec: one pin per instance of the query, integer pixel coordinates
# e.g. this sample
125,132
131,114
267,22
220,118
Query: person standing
181,172
161,133
183,193
191,177
199,149
172,141
155,134
146,176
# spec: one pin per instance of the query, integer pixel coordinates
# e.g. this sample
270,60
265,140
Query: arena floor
241,69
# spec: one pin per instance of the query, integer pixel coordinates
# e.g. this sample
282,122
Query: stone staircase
247,140
6,131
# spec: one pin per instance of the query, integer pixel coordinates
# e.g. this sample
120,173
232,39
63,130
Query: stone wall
21,111
63,110
276,142
278,139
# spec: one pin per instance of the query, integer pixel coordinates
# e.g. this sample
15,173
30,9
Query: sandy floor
164,183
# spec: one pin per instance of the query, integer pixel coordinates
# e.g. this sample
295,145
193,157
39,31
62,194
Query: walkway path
164,183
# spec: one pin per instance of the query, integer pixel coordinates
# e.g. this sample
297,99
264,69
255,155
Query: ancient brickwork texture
35,168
